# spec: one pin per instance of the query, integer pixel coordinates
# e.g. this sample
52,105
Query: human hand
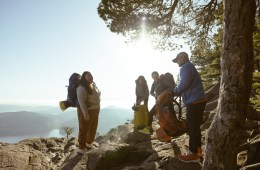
139,102
86,116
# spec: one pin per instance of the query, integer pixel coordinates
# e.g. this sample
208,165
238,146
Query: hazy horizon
47,122
43,42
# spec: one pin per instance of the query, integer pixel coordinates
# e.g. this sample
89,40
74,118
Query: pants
151,114
194,120
87,128
145,101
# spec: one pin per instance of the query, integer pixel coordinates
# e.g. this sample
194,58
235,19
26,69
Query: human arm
152,90
186,77
82,95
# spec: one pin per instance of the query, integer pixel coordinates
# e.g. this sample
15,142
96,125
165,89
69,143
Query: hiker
157,88
141,110
88,111
191,89
141,91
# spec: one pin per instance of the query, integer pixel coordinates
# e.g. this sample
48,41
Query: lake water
114,113
15,139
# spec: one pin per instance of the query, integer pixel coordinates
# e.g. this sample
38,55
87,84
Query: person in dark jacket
158,87
191,89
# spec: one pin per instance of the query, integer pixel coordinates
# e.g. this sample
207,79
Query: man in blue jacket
192,92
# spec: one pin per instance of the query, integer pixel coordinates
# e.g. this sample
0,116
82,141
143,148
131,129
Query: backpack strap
179,105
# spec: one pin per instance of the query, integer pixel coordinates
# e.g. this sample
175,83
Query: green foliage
256,42
198,22
206,56
68,131
163,20
255,94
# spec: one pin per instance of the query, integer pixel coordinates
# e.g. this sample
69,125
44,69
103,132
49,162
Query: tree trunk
237,65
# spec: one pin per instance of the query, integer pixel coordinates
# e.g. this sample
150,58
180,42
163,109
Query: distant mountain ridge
24,123
38,119
14,108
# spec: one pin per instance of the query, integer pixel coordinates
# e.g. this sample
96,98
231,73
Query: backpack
72,100
167,80
170,125
140,116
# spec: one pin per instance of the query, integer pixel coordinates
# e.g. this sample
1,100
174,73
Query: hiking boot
90,146
200,152
145,130
150,129
191,157
95,144
82,151
188,150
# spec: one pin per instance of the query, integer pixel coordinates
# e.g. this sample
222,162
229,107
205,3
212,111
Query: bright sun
144,44
140,58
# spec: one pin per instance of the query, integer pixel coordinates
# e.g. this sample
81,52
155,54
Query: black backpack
167,80
72,100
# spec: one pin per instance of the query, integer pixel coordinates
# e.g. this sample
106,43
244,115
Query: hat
183,55
175,59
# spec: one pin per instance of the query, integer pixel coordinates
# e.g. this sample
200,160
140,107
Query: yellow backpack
140,117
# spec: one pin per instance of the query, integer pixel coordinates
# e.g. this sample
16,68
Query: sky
43,42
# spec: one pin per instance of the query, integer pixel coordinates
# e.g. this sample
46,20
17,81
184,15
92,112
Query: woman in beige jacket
88,111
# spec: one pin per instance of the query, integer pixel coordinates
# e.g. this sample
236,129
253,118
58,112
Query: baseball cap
183,55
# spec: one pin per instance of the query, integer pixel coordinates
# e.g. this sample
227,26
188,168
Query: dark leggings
194,120
151,114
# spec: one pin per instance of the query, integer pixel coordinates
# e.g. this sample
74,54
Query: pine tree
198,22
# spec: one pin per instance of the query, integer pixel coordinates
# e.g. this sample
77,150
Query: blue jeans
194,118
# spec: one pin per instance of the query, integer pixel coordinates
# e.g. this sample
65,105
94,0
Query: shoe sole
90,147
200,154
145,133
95,144
190,161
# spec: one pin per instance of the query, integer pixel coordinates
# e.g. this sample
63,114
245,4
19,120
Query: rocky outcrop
21,157
42,153
121,148
124,148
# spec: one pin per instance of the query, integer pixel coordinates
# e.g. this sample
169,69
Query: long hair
83,82
144,84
